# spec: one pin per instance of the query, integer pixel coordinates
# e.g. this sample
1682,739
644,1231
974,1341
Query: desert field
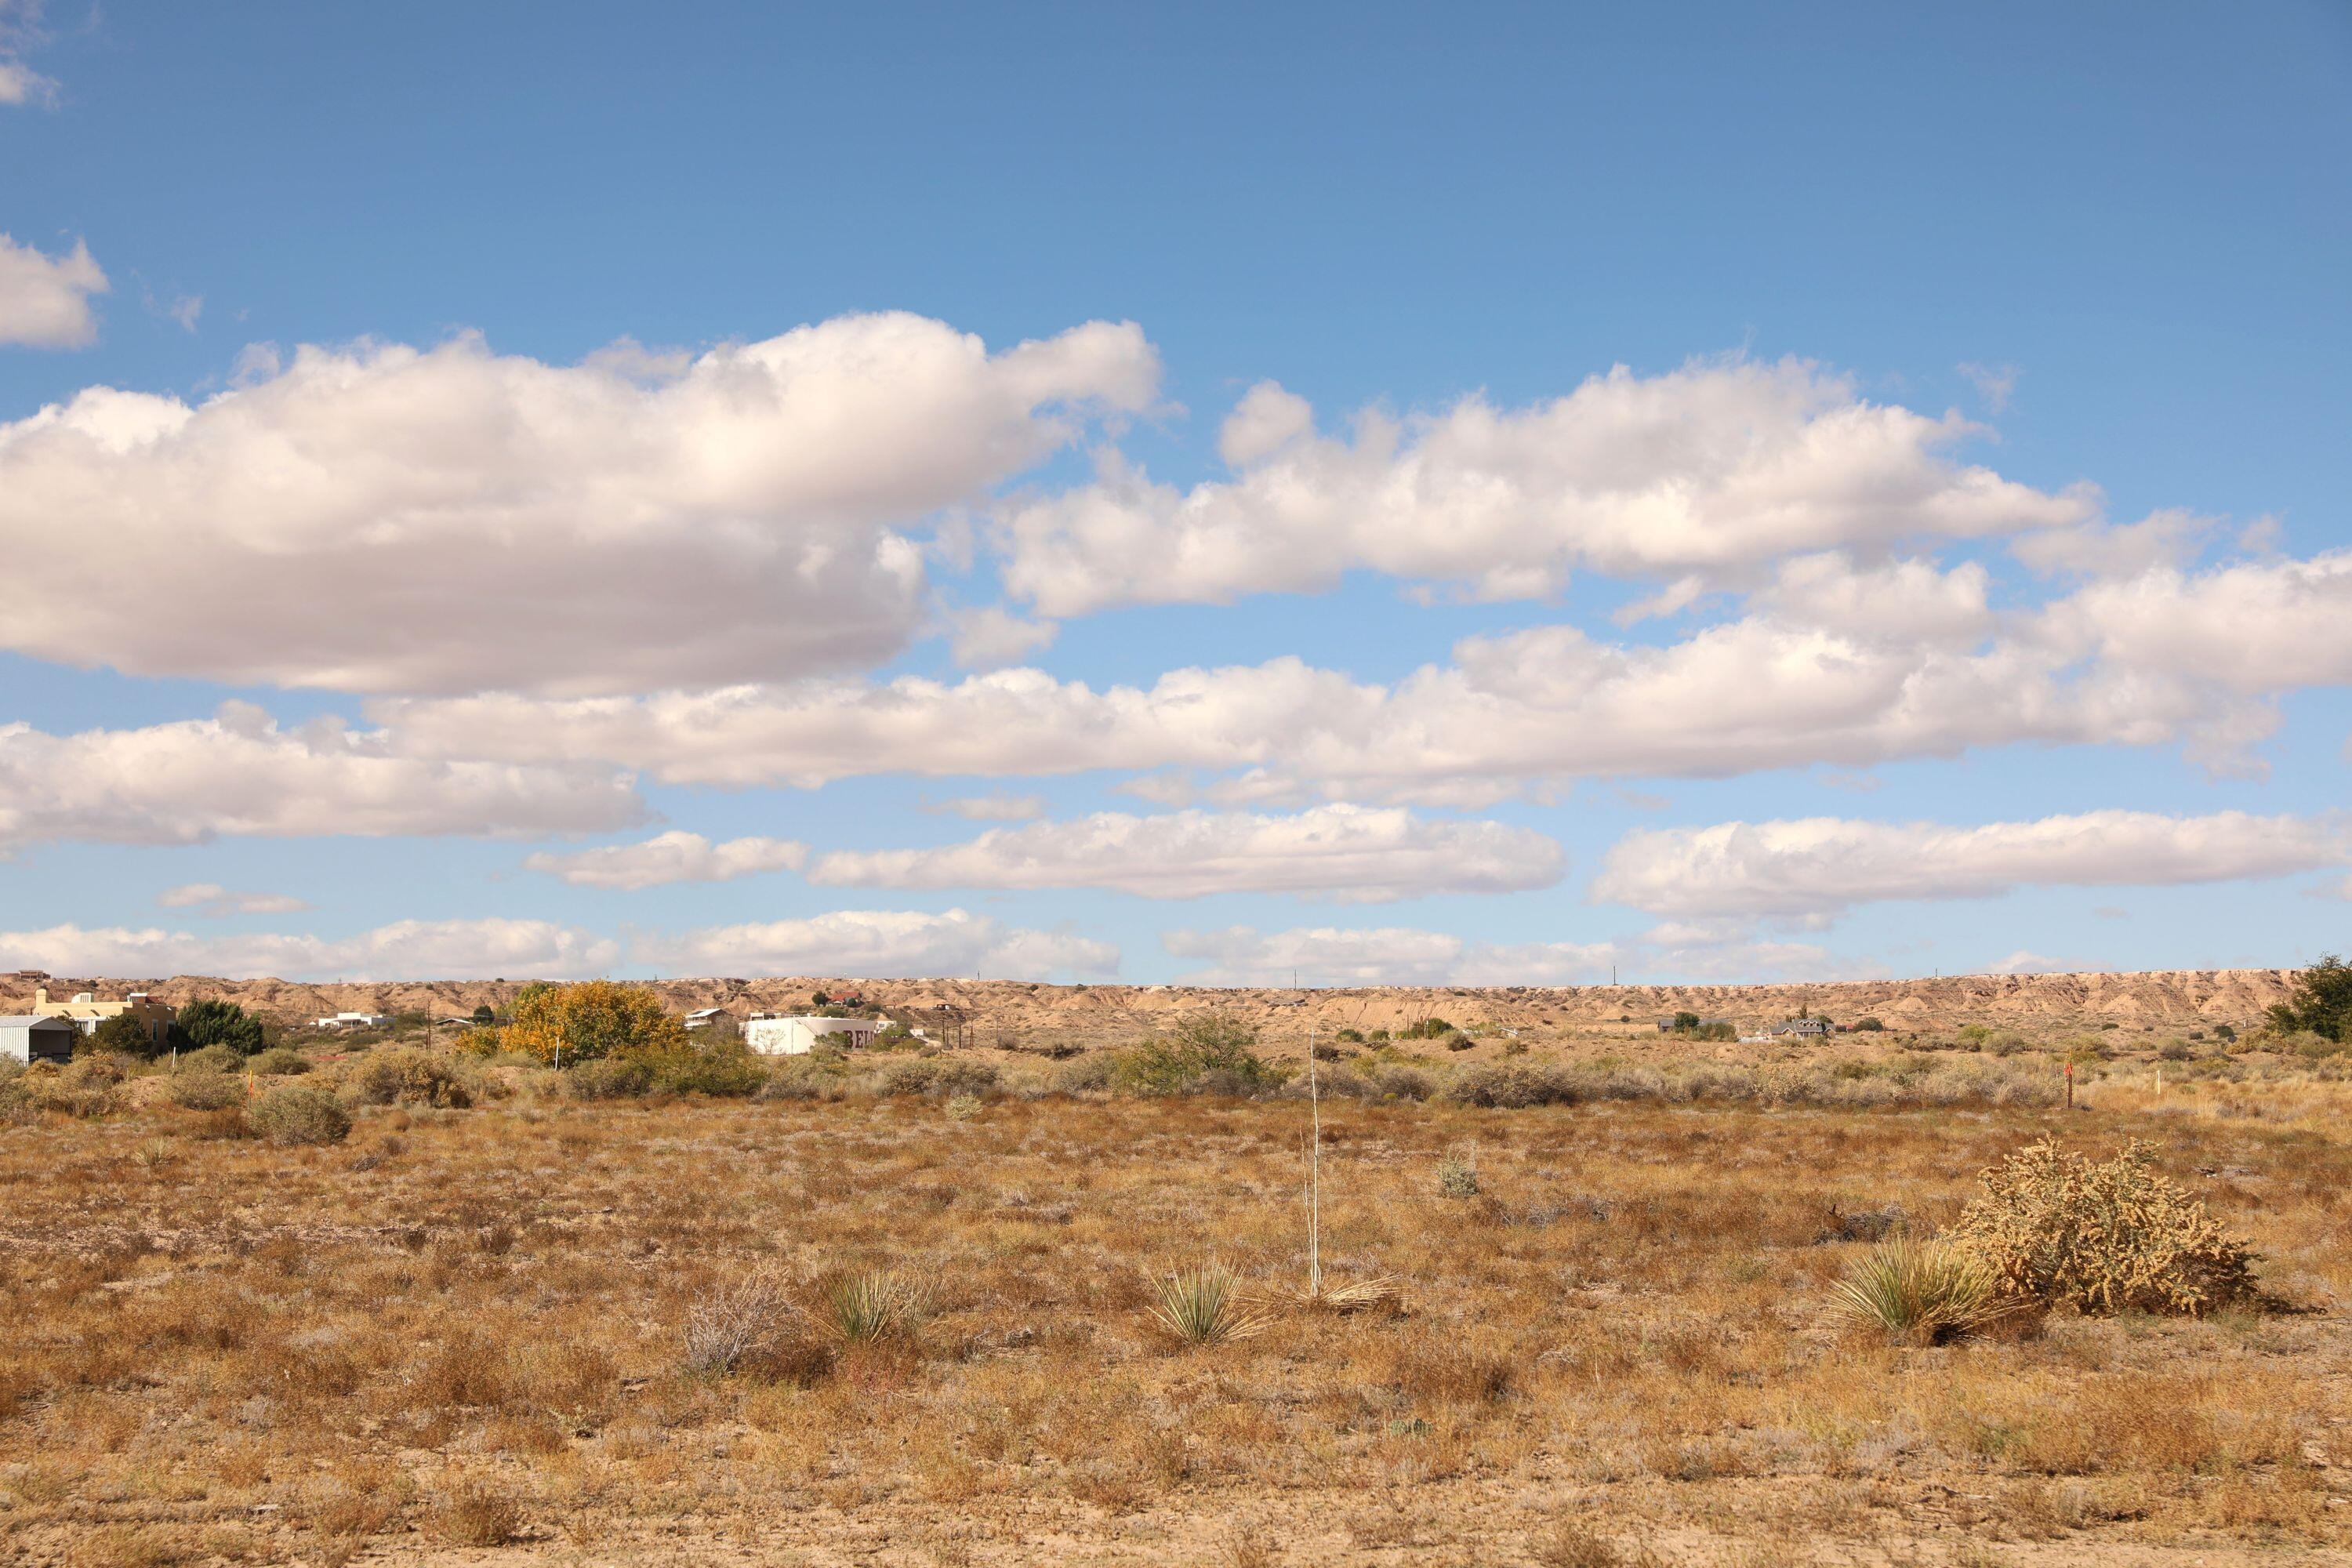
911,1314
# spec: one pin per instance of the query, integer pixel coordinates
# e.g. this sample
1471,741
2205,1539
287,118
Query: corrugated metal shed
25,1038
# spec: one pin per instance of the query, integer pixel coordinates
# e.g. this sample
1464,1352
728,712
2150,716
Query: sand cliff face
2163,1000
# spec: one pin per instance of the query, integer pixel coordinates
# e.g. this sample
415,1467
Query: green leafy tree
1685,1022
209,1021
2321,1002
483,1016
121,1033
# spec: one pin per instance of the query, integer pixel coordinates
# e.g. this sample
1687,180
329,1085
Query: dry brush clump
2111,1235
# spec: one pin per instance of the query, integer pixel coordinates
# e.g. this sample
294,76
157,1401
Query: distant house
797,1034
1801,1029
705,1017
355,1021
30,1037
86,1013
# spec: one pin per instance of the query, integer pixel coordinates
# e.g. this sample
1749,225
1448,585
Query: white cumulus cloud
451,520
240,775
670,858
1349,854
879,942
1824,865
1508,714
405,950
45,300
1706,472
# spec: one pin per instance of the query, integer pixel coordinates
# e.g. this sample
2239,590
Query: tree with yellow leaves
564,1023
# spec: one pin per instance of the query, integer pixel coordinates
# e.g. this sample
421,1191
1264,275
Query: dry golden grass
468,1327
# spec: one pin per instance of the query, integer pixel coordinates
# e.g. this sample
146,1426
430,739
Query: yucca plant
1919,1293
1205,1306
871,1306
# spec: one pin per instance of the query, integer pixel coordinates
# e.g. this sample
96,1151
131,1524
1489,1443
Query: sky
1481,495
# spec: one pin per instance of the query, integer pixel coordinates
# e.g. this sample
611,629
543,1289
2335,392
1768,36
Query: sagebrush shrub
608,1077
2110,1236
297,1114
207,1090
414,1078
280,1061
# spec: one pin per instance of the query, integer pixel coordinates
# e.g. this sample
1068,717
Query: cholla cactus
2112,1236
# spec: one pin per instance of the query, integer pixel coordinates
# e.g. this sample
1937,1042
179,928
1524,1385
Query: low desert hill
1017,1013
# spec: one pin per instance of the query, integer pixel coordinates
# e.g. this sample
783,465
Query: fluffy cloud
1399,956
406,949
45,300
390,519
1705,473
671,858
1823,865
1347,852
2251,626
991,637
212,899
240,775
1508,714
878,942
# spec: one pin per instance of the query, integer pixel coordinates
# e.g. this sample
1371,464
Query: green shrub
799,1078
608,1077
1512,1085
87,1087
298,1114
210,1058
724,1068
2112,1236
125,1035
201,1091
414,1078
1868,1027
938,1078
280,1061
1208,1056
208,1021
2321,1001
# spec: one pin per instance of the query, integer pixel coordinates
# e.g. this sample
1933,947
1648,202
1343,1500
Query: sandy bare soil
467,1325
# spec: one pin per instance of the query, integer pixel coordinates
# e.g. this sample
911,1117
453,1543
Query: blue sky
1833,636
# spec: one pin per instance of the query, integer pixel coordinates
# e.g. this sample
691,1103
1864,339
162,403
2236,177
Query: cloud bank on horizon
690,570
870,643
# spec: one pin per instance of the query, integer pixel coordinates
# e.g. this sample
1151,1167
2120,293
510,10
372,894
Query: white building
29,1037
796,1033
353,1021
705,1017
